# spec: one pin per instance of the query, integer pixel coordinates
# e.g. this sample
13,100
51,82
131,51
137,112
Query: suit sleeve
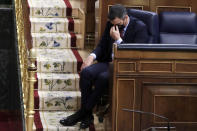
136,32
105,39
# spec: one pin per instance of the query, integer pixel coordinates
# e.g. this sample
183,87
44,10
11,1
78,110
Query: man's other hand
114,32
89,60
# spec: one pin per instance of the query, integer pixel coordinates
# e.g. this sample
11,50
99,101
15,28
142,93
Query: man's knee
86,73
104,77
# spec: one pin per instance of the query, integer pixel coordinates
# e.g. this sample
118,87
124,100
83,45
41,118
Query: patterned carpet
57,34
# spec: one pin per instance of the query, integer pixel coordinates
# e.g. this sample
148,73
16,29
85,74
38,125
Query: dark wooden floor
10,120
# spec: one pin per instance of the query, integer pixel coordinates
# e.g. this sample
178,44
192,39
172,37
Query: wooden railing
27,64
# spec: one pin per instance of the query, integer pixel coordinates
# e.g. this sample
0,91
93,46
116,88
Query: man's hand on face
114,32
89,60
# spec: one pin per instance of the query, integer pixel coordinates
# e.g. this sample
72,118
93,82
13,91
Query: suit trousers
96,75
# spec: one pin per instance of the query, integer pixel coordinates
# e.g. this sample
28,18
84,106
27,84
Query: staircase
57,30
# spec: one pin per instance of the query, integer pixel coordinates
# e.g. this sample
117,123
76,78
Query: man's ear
125,21
126,16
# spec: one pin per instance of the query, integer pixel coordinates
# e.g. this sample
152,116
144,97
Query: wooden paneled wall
90,15
151,5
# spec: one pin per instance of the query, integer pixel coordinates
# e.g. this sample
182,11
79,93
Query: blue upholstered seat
178,28
151,21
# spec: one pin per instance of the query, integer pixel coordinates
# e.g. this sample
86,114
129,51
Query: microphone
150,113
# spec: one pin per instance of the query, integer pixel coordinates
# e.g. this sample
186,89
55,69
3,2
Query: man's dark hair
118,11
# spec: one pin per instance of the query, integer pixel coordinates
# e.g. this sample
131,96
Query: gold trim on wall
140,7
174,7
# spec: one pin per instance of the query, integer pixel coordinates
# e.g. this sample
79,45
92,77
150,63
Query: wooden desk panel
164,83
125,89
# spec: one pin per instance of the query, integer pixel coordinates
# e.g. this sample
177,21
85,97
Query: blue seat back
151,21
178,27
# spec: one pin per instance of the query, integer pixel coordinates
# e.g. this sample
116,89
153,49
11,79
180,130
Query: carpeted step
57,40
56,25
57,100
49,121
58,60
52,8
57,82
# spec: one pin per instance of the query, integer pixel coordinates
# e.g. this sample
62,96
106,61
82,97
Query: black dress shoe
72,119
87,121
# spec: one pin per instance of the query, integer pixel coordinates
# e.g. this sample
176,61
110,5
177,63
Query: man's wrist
94,56
118,41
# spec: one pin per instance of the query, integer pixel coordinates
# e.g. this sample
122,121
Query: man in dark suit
120,28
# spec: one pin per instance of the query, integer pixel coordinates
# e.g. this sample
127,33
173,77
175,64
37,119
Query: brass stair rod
31,80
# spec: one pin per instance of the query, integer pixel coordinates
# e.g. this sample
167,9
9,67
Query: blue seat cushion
169,38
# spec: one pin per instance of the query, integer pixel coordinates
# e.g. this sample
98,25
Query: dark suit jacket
136,33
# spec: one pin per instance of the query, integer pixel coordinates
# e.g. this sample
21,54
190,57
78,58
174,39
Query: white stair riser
54,25
59,40
58,82
51,8
49,27
51,41
63,67
56,60
56,100
56,12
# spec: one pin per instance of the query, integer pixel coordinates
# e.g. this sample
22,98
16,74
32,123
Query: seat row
169,27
